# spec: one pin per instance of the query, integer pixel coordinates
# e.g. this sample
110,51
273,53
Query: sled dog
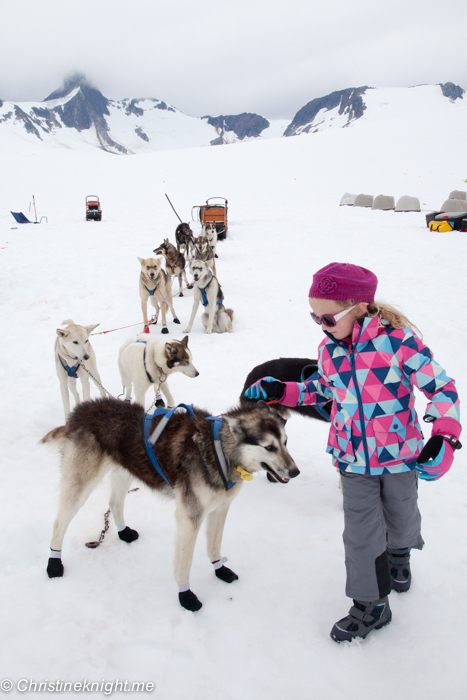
184,238
204,252
210,232
106,435
287,369
147,360
174,263
208,291
72,347
156,286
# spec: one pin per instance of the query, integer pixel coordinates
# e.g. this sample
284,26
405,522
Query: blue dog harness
205,301
150,440
71,371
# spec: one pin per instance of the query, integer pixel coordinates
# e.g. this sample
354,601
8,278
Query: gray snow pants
380,513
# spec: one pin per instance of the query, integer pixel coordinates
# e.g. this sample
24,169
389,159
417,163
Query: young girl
368,365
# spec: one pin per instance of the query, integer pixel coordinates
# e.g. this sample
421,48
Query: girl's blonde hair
389,313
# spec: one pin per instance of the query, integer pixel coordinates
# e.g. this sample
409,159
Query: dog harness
150,440
150,291
205,301
159,369
71,371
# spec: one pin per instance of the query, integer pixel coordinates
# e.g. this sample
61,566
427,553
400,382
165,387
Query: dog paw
128,535
187,330
190,286
160,403
55,568
216,256
189,601
181,294
164,329
226,574
208,332
177,320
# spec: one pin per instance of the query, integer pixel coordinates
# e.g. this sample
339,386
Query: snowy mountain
78,113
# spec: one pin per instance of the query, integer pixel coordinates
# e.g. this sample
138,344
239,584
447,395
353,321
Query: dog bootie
164,329
226,574
399,563
54,568
177,320
189,601
128,535
361,620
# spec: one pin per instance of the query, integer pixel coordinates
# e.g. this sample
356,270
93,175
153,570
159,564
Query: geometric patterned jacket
374,426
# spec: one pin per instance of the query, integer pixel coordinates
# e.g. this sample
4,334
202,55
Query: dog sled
93,208
215,213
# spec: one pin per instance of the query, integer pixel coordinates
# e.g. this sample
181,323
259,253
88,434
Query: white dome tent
406,203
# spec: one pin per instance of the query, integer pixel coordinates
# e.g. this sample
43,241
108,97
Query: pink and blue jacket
371,379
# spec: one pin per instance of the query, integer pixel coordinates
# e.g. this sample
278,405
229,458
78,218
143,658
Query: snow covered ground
115,613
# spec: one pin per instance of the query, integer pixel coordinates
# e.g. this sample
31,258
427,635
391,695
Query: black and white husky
147,360
208,291
73,352
107,435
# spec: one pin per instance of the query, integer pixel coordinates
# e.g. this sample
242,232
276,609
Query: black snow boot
399,563
362,618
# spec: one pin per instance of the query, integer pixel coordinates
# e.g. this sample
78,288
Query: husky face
198,269
202,244
150,267
165,249
74,341
263,445
179,357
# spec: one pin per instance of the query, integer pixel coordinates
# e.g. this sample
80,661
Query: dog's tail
68,322
230,313
56,435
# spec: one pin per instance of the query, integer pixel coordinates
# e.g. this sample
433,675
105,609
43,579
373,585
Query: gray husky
203,470
208,291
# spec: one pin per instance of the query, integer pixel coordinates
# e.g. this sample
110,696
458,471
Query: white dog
72,347
210,231
208,291
147,360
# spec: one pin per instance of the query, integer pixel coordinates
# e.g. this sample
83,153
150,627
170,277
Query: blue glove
266,388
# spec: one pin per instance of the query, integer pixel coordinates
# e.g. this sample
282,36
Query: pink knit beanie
343,282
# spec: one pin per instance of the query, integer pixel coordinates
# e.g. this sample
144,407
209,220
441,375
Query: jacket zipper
360,405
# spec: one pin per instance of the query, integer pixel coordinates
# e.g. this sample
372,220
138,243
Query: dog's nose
294,472
86,357
197,374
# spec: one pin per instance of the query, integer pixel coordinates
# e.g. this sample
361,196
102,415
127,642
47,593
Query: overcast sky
214,57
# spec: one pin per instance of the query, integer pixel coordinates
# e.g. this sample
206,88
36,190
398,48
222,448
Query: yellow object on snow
440,226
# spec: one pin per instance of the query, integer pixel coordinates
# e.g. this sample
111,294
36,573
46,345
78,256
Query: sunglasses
328,319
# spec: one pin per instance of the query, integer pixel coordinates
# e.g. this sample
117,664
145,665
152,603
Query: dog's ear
141,260
91,328
170,351
62,333
185,341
